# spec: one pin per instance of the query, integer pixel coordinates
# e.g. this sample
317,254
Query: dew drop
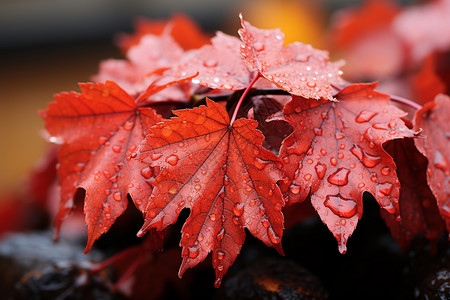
323,152
220,268
357,152
207,138
194,251
172,159
238,209
340,155
340,177
345,208
107,192
172,190
102,140
361,185
117,196
286,159
155,156
294,189
212,217
318,131
147,173
339,136
258,46
307,176
220,255
333,161
365,116
128,125
311,84
374,177
370,161
385,189
392,125
273,236
309,161
278,207
385,171
200,237
197,187
320,170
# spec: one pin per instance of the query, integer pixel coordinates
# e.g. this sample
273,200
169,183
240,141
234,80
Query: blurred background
47,46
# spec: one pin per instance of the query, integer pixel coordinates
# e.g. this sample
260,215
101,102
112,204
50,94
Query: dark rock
273,278
32,266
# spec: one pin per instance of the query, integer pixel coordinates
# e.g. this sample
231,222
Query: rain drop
320,170
258,46
333,161
238,209
210,63
117,148
273,236
365,116
117,196
221,234
345,208
155,156
340,177
194,251
172,159
370,161
294,189
318,131
147,173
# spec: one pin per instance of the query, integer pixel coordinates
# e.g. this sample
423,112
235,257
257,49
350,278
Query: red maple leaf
296,68
335,154
99,129
219,65
432,119
221,172
143,64
418,208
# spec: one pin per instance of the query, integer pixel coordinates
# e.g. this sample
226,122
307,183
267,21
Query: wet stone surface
32,266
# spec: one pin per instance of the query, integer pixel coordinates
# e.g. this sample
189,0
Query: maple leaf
335,154
418,208
296,68
432,119
221,172
219,65
144,60
99,129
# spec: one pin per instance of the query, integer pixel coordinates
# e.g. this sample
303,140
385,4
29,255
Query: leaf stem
406,102
238,105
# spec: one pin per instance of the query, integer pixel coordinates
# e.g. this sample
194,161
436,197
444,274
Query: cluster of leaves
260,126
